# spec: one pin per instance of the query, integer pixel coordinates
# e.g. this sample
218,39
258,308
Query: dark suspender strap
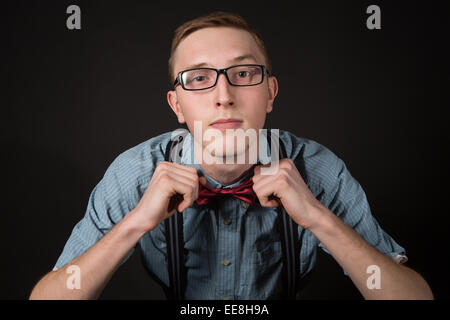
292,252
174,240
290,242
174,235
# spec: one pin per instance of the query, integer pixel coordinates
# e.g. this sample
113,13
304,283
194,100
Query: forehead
216,47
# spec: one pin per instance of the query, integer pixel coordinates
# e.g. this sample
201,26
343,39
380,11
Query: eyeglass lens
204,78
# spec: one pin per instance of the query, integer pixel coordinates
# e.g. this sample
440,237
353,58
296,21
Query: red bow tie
243,192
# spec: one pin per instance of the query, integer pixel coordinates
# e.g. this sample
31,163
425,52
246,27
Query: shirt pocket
267,255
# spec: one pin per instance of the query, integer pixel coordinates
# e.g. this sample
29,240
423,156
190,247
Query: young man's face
221,47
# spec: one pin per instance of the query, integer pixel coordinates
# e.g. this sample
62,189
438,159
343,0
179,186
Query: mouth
227,123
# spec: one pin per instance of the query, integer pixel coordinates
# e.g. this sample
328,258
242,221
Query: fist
173,186
287,188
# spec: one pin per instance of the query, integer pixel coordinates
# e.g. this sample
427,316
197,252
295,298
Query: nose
223,95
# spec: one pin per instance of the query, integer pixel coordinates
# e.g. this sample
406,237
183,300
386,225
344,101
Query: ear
273,91
172,99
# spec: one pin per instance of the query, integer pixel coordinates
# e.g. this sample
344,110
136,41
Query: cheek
190,109
194,116
257,112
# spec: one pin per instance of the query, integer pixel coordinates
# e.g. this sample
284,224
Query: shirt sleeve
348,200
107,205
117,193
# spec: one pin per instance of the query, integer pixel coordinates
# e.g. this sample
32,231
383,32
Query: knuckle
195,180
284,173
165,178
288,163
189,198
192,169
283,181
162,166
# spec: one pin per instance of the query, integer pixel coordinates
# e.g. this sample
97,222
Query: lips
226,123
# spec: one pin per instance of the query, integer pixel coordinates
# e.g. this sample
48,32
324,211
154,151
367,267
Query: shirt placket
227,246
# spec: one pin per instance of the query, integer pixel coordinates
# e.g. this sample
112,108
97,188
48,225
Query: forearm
97,265
355,255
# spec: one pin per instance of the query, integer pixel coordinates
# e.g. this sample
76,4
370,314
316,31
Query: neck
226,173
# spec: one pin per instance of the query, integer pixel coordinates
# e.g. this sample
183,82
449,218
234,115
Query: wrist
321,218
133,226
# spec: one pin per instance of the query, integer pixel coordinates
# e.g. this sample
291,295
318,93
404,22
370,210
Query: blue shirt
233,250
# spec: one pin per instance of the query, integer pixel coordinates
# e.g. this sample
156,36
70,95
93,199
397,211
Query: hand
287,188
173,186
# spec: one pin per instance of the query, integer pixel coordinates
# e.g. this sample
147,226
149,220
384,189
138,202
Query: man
232,249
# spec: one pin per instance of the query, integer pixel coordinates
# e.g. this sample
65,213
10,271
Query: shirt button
227,222
245,205
226,263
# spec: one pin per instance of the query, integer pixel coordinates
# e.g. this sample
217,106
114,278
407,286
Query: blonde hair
215,19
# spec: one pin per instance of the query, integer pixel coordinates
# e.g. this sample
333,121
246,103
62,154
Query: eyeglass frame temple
219,72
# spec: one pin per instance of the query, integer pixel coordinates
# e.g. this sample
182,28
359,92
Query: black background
75,99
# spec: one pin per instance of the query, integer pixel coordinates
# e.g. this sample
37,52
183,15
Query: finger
192,184
186,180
271,203
202,180
266,194
188,191
174,203
262,180
286,163
255,173
257,170
186,171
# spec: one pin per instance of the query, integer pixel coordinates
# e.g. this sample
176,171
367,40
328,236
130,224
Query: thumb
202,180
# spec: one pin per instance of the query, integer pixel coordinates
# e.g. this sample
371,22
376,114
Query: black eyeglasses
243,75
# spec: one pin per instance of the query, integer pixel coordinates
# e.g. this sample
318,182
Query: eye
196,79
243,74
199,78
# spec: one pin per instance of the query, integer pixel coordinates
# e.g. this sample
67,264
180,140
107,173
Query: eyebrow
236,59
